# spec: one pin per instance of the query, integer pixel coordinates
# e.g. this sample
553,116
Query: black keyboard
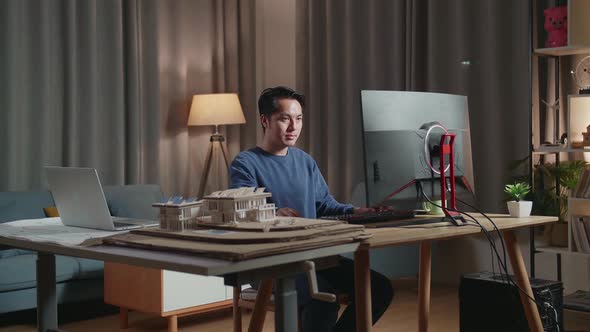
374,217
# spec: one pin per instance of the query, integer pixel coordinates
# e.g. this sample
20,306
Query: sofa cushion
66,292
17,205
133,201
51,212
19,272
5,253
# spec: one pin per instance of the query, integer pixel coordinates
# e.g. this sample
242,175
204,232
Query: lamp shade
216,109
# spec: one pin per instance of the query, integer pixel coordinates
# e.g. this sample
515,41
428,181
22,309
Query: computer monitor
394,145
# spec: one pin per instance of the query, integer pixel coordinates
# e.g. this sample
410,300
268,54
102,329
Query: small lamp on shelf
215,110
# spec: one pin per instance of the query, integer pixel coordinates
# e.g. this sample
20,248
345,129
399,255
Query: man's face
284,126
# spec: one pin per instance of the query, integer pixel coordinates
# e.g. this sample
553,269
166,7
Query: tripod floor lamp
215,109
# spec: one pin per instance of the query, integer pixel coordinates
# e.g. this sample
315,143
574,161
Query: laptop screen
79,197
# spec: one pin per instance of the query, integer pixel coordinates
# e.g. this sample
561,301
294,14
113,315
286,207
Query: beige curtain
72,91
108,84
201,49
474,48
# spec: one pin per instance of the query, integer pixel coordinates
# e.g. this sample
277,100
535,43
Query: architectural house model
179,215
226,206
241,204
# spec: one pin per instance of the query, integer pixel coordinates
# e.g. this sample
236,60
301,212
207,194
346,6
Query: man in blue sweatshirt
299,190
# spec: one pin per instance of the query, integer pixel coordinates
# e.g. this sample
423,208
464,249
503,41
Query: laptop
80,200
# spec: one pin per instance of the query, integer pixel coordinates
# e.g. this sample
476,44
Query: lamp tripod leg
225,154
206,169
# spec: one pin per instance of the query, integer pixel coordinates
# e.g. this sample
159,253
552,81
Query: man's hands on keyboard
288,212
365,210
361,210
374,216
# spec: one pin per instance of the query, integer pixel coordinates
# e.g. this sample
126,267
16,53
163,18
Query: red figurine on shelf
556,26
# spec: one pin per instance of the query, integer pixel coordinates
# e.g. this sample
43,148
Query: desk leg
46,294
286,305
362,290
123,318
237,311
262,298
424,286
522,280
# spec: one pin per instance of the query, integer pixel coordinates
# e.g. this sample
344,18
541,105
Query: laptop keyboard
120,222
123,224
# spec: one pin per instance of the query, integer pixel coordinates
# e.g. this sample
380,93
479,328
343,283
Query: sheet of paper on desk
51,230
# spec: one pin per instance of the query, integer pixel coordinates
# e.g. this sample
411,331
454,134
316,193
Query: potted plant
568,174
517,192
547,201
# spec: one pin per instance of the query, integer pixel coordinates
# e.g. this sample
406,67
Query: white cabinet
184,290
165,293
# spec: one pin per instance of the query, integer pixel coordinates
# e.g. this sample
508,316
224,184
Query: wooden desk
425,234
283,267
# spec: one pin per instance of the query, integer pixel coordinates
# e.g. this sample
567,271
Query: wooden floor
401,316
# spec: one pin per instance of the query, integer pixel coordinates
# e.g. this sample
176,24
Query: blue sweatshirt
294,180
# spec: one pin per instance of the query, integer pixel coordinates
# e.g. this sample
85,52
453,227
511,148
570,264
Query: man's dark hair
268,103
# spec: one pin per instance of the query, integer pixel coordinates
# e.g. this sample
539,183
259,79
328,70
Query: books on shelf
583,188
580,228
579,300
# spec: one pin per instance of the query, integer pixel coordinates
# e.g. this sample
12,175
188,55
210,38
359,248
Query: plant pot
520,208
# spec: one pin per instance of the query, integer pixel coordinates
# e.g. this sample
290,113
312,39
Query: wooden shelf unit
562,51
578,38
549,150
561,250
578,43
576,207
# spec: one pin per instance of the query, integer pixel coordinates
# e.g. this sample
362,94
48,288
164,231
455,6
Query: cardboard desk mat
236,236
280,225
237,244
232,252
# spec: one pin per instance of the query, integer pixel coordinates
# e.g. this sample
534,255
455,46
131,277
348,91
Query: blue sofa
77,279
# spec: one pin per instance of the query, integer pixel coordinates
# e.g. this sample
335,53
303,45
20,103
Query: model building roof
245,192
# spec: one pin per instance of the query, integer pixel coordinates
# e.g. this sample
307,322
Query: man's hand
288,212
384,208
358,210
371,209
